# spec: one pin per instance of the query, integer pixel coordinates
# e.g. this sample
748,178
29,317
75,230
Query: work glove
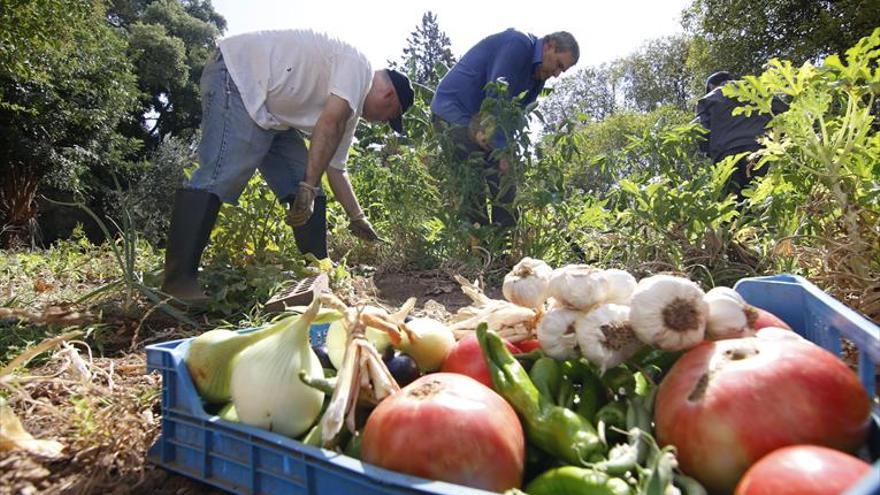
303,205
360,227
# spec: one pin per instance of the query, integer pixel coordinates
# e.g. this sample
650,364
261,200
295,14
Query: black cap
405,95
717,78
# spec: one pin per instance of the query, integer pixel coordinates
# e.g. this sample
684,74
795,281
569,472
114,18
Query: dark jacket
726,131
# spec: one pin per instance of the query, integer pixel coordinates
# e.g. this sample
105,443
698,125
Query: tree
169,43
740,36
590,94
65,87
427,55
657,74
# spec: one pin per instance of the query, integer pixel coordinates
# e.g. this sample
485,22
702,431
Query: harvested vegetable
513,322
668,312
579,286
605,336
573,480
725,404
448,427
265,385
527,283
729,315
803,470
428,341
556,430
557,333
213,354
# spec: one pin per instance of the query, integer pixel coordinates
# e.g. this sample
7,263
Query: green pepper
556,430
613,415
572,480
546,376
620,381
592,395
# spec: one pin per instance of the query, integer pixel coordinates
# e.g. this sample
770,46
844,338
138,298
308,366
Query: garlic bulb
621,285
729,314
557,333
266,388
668,312
605,336
526,285
578,286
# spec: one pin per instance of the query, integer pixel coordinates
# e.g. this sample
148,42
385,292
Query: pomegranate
725,404
803,470
767,319
448,427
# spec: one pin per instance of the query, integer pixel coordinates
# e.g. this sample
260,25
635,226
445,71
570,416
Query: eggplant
403,368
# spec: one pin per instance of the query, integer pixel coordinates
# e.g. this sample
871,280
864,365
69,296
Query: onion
266,388
427,341
212,355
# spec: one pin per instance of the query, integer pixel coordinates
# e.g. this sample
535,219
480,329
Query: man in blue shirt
525,63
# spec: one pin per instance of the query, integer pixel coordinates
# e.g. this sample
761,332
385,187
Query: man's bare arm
326,137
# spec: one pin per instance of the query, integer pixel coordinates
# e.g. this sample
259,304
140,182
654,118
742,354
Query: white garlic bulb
729,314
605,336
621,285
526,285
557,333
668,312
578,286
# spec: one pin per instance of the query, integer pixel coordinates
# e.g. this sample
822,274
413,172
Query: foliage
822,190
169,43
741,35
152,186
658,74
427,55
66,87
252,251
590,94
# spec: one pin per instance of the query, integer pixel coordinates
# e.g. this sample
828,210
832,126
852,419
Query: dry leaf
14,437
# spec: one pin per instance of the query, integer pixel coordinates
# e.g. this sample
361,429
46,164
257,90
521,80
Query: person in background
524,62
730,134
263,93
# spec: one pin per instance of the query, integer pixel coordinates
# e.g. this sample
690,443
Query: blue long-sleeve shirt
510,54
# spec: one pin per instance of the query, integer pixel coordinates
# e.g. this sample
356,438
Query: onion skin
803,470
726,404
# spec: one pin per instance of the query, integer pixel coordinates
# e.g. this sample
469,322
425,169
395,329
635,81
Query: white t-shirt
285,78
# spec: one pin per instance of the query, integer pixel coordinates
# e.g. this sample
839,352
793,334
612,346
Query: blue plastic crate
247,460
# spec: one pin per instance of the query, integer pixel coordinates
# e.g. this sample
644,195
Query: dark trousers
501,193
743,173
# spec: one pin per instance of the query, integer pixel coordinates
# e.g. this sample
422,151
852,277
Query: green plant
125,252
821,196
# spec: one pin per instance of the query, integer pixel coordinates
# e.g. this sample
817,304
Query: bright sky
604,29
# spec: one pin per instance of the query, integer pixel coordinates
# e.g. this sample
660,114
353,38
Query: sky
605,30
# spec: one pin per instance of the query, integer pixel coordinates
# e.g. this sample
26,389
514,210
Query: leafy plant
821,196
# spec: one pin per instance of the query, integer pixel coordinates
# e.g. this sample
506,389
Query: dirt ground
106,411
